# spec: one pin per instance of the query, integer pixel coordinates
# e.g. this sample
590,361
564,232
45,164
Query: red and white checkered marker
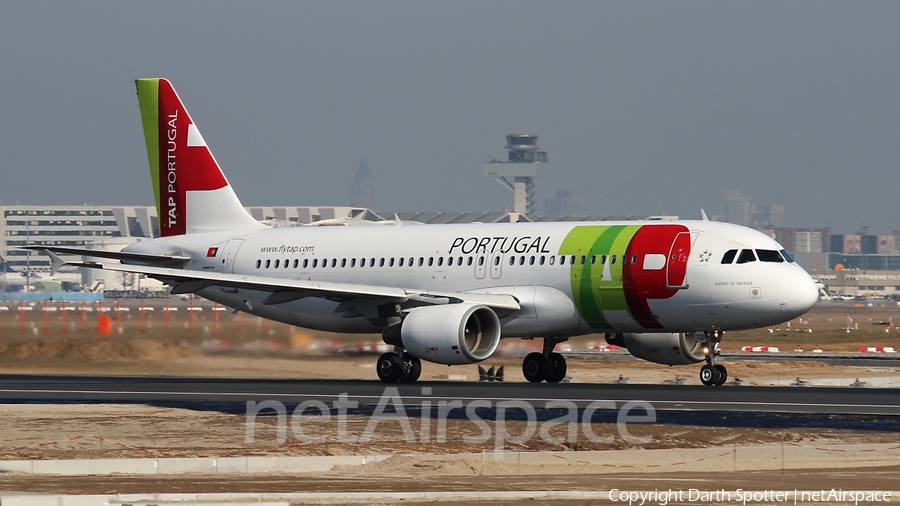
877,349
760,349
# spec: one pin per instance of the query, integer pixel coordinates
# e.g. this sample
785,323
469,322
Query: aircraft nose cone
797,292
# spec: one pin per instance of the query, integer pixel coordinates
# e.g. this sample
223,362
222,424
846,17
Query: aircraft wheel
557,368
535,367
390,367
412,369
709,375
723,374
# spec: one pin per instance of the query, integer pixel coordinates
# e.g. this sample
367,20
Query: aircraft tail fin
5,267
190,191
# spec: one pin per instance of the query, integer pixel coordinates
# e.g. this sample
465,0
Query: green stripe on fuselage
593,291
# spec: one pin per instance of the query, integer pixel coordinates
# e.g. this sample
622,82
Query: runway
232,395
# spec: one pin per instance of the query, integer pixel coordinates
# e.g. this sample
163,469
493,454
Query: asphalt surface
232,395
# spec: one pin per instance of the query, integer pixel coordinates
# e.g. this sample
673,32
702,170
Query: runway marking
438,397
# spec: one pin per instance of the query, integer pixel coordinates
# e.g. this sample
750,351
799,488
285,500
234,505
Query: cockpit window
769,255
746,256
729,256
787,256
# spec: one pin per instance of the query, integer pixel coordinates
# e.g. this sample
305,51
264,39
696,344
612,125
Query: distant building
804,240
737,208
768,216
362,193
565,204
71,226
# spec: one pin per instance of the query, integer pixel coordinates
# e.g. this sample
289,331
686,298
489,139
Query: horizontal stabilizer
122,256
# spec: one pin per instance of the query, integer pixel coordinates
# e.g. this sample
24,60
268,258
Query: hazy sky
644,107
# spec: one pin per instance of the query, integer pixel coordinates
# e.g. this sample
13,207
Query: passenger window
277,261
381,262
459,261
343,262
305,262
582,259
562,260
469,261
531,260
480,260
430,261
268,263
440,261
497,261
729,256
512,260
258,264
296,263
315,262
787,256
593,259
572,259
334,263
352,262
449,261
411,259
552,259
372,262
634,259
746,256
391,262
602,259
421,261
612,259
769,255
542,260
400,262
287,263
522,260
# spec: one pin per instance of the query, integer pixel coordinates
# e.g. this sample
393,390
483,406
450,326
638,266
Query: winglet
397,221
55,262
703,215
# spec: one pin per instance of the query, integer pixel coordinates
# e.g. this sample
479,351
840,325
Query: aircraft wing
285,290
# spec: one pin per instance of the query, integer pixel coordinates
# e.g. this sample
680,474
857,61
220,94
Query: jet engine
449,334
668,349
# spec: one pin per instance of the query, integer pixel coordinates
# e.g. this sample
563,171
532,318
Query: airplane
667,291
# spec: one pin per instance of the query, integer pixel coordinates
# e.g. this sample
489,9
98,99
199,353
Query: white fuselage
522,259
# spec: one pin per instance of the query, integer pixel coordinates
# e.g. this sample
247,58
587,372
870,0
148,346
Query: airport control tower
517,173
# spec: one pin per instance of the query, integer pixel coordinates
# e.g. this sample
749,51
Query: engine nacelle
668,349
449,334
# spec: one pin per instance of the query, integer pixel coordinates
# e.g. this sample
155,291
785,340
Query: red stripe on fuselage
641,284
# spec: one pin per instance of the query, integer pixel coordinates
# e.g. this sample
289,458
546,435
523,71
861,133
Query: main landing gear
712,373
398,365
547,366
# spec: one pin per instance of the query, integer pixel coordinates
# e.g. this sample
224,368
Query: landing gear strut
548,365
399,366
712,373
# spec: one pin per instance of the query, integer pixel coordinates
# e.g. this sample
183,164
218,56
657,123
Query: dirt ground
219,343
740,458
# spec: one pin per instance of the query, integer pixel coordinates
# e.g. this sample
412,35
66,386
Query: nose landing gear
545,366
712,373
